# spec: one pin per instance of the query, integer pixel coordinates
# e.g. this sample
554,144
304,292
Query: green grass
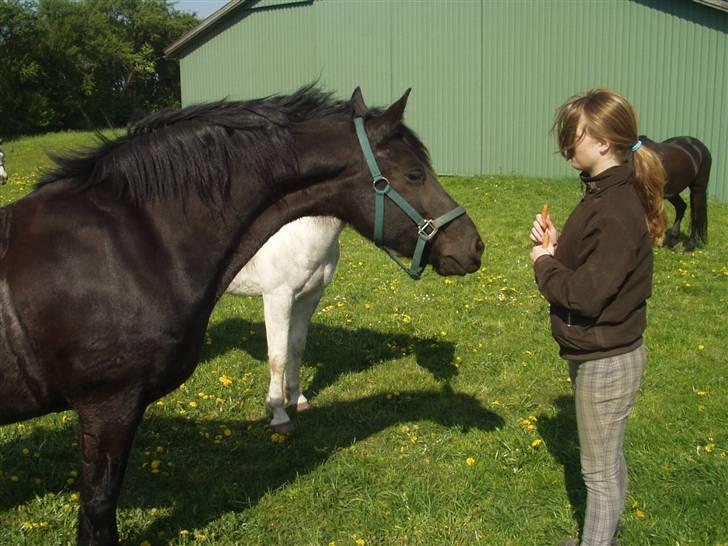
411,382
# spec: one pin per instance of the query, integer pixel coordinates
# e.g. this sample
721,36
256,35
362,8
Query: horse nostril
479,245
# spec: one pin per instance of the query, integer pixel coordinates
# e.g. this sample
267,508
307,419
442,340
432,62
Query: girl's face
589,153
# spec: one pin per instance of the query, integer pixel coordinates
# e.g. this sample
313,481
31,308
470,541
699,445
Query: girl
597,276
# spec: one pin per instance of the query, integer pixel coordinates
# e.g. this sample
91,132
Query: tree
90,63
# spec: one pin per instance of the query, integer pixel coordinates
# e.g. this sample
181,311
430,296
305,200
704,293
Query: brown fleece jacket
600,277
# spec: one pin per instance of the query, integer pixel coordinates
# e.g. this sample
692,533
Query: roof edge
204,25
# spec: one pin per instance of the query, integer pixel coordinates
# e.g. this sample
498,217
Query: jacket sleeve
610,257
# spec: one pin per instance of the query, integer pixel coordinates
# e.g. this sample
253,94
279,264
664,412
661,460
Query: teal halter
426,229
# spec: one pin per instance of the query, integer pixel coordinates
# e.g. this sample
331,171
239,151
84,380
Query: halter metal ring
379,179
427,229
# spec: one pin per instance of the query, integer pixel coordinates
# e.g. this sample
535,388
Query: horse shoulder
297,253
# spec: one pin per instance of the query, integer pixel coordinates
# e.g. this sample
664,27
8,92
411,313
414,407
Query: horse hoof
302,407
283,428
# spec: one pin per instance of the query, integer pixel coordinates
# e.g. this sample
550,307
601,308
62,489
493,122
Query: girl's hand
537,231
538,251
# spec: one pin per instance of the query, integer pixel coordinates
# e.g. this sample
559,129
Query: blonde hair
608,116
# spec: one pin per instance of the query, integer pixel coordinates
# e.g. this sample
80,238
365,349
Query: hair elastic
637,146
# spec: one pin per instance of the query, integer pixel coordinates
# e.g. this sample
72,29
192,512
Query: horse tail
699,195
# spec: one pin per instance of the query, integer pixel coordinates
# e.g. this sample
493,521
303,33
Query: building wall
486,75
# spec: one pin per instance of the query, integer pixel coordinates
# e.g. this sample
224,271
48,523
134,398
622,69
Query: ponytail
650,186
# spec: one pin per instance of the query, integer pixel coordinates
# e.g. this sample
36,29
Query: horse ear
357,102
383,124
395,113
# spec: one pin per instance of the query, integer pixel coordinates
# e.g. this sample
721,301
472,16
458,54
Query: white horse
3,172
291,270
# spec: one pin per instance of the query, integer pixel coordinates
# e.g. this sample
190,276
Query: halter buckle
427,229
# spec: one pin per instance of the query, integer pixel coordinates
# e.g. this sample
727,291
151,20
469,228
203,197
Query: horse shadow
214,479
561,437
334,351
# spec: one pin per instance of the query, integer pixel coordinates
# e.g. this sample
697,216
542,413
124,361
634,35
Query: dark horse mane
197,148
200,147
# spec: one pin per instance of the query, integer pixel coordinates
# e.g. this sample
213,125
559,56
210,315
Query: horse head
399,202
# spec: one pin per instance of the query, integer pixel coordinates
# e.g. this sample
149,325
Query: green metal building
486,75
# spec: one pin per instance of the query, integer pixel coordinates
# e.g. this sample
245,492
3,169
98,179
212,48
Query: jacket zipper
568,319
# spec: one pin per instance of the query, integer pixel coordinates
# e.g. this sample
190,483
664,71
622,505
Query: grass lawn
442,412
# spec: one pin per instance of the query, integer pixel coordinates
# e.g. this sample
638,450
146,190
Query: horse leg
107,432
301,315
277,309
673,236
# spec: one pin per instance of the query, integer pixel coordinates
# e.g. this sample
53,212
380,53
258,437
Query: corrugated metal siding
487,75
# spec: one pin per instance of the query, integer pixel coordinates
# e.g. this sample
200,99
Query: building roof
205,25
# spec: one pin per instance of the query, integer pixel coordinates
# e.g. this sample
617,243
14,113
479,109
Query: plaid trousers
604,393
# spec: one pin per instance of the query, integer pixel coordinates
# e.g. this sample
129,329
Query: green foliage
73,64
441,411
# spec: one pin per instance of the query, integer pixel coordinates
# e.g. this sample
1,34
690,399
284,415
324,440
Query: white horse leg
277,308
301,314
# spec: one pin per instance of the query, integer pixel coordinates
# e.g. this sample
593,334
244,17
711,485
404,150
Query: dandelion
701,347
26,452
278,438
360,542
470,461
709,448
536,443
154,465
192,404
227,432
639,514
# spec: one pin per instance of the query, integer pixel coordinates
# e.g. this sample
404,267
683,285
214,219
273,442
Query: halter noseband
426,228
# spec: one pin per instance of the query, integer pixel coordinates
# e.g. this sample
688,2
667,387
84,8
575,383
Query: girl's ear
604,147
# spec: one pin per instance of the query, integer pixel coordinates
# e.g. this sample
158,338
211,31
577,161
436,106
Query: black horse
110,269
687,164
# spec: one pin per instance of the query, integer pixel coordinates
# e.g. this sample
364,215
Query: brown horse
687,165
110,269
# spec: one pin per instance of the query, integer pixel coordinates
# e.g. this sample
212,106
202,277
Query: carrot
544,223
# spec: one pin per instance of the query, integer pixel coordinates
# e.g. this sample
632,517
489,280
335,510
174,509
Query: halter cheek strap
426,228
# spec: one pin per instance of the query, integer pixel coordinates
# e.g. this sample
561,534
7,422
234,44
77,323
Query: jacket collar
613,176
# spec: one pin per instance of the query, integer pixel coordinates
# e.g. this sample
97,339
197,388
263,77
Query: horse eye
415,176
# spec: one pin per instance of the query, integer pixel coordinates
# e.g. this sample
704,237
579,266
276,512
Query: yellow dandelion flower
225,380
192,404
366,306
227,432
443,333
155,464
701,347
470,461
536,443
332,543
639,514
406,319
184,532
360,542
709,448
